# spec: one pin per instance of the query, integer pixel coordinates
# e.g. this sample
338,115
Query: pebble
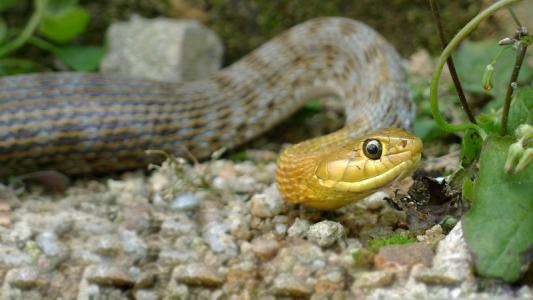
198,274
267,204
12,257
375,201
48,243
325,233
432,236
299,228
108,275
185,202
265,249
371,280
24,278
453,262
403,255
177,227
107,245
289,285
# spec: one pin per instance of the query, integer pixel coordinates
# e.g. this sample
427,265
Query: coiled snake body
91,123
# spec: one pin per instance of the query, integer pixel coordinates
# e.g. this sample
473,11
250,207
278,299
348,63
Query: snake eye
372,149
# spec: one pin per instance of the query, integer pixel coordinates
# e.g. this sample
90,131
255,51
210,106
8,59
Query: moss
394,239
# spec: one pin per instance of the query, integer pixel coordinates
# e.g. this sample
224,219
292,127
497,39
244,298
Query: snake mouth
379,181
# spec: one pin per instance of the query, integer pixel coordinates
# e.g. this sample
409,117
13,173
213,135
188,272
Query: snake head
367,163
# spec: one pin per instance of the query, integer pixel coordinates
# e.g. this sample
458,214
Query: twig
520,54
452,45
513,15
451,66
35,19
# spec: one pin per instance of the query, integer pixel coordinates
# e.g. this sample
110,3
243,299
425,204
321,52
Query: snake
91,123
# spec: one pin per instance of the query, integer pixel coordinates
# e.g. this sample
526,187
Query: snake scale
92,123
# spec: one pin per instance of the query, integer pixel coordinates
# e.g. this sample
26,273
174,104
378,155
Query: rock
299,228
432,236
265,249
375,201
289,285
162,49
24,278
12,257
325,233
48,243
403,255
186,201
371,280
107,245
452,263
329,281
109,275
198,274
267,204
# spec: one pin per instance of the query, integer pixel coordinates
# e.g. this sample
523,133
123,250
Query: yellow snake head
344,169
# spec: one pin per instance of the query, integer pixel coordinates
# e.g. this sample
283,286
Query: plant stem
21,39
451,66
454,43
520,54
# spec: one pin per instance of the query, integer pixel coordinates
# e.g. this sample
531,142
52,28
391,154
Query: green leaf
54,6
13,66
3,31
472,59
521,108
499,226
427,129
470,147
82,59
64,25
5,4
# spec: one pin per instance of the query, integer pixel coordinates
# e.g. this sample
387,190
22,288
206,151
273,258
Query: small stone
174,257
299,228
107,245
185,202
390,217
333,280
452,263
198,274
372,279
265,249
267,205
12,257
109,276
178,227
375,201
403,255
432,236
24,278
325,233
146,295
289,285
137,217
21,232
132,244
48,243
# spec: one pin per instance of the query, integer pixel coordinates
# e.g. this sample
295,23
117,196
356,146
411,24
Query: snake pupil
372,149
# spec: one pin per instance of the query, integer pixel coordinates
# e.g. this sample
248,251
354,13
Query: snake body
91,123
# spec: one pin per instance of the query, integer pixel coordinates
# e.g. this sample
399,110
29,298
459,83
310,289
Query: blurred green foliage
52,29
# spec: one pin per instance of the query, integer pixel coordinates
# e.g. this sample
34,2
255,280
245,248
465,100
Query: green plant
52,27
496,151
